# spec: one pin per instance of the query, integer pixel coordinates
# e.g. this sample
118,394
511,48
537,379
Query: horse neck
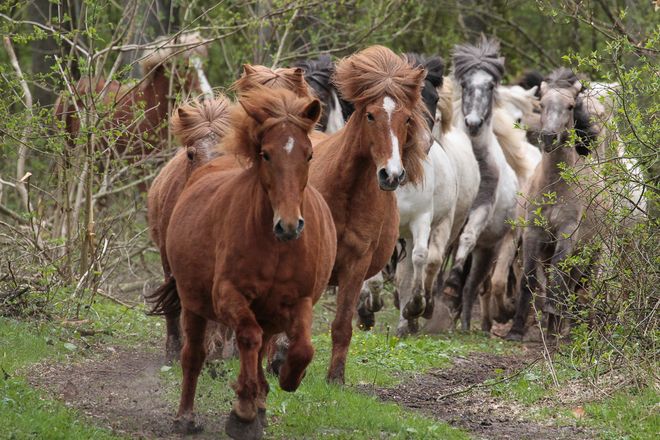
550,163
260,211
344,166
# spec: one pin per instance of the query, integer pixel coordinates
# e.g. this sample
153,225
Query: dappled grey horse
478,70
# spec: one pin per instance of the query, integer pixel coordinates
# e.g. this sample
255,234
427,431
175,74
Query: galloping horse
357,170
199,127
555,228
243,254
479,69
141,133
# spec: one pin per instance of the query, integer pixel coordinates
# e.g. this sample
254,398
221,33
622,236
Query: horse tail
166,299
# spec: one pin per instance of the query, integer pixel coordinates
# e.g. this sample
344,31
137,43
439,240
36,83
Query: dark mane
435,67
585,127
245,134
320,71
531,79
484,56
377,71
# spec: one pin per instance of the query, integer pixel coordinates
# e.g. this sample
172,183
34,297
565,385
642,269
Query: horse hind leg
406,326
192,360
264,386
482,261
277,352
421,229
436,253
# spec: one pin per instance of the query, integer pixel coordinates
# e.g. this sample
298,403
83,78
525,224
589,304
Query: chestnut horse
357,170
242,254
199,128
140,133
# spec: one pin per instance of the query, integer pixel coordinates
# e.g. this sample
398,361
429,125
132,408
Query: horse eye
191,156
370,117
265,155
310,157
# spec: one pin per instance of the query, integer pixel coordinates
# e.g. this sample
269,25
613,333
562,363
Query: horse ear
576,87
248,70
544,88
532,92
255,112
182,113
298,71
312,111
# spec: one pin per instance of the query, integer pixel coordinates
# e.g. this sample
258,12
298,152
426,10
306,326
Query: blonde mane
166,47
375,72
194,120
514,145
445,106
289,79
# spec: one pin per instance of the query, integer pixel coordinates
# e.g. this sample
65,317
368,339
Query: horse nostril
301,225
382,175
278,229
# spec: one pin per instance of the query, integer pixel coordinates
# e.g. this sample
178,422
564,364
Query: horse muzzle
390,181
474,125
288,232
549,141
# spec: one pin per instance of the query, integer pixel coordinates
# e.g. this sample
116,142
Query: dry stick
22,151
288,27
485,385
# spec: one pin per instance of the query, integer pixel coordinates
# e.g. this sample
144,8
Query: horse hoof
514,335
415,308
428,310
261,415
378,305
186,425
395,295
366,321
240,430
336,377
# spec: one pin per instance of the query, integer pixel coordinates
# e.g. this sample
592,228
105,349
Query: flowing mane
166,47
194,119
484,55
514,145
445,104
289,79
375,72
244,137
516,95
529,80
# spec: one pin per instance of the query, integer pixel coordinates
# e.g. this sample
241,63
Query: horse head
389,116
478,70
271,129
559,97
199,127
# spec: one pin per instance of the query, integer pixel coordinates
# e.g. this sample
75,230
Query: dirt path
123,391
477,412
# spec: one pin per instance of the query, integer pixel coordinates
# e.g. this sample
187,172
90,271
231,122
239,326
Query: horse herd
321,172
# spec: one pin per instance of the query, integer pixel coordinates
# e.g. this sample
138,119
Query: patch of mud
125,392
483,416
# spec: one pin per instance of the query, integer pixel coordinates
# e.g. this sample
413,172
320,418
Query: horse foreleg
406,327
350,282
531,252
475,225
482,262
436,249
496,297
421,230
301,351
192,360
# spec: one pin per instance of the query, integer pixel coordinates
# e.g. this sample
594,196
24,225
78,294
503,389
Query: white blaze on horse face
289,145
335,118
393,166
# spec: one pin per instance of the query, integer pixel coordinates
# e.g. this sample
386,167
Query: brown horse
199,128
242,254
357,170
122,106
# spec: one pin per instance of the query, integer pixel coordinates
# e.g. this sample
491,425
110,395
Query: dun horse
569,219
253,249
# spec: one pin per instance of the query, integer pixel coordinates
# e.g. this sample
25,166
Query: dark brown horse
357,170
122,106
253,249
